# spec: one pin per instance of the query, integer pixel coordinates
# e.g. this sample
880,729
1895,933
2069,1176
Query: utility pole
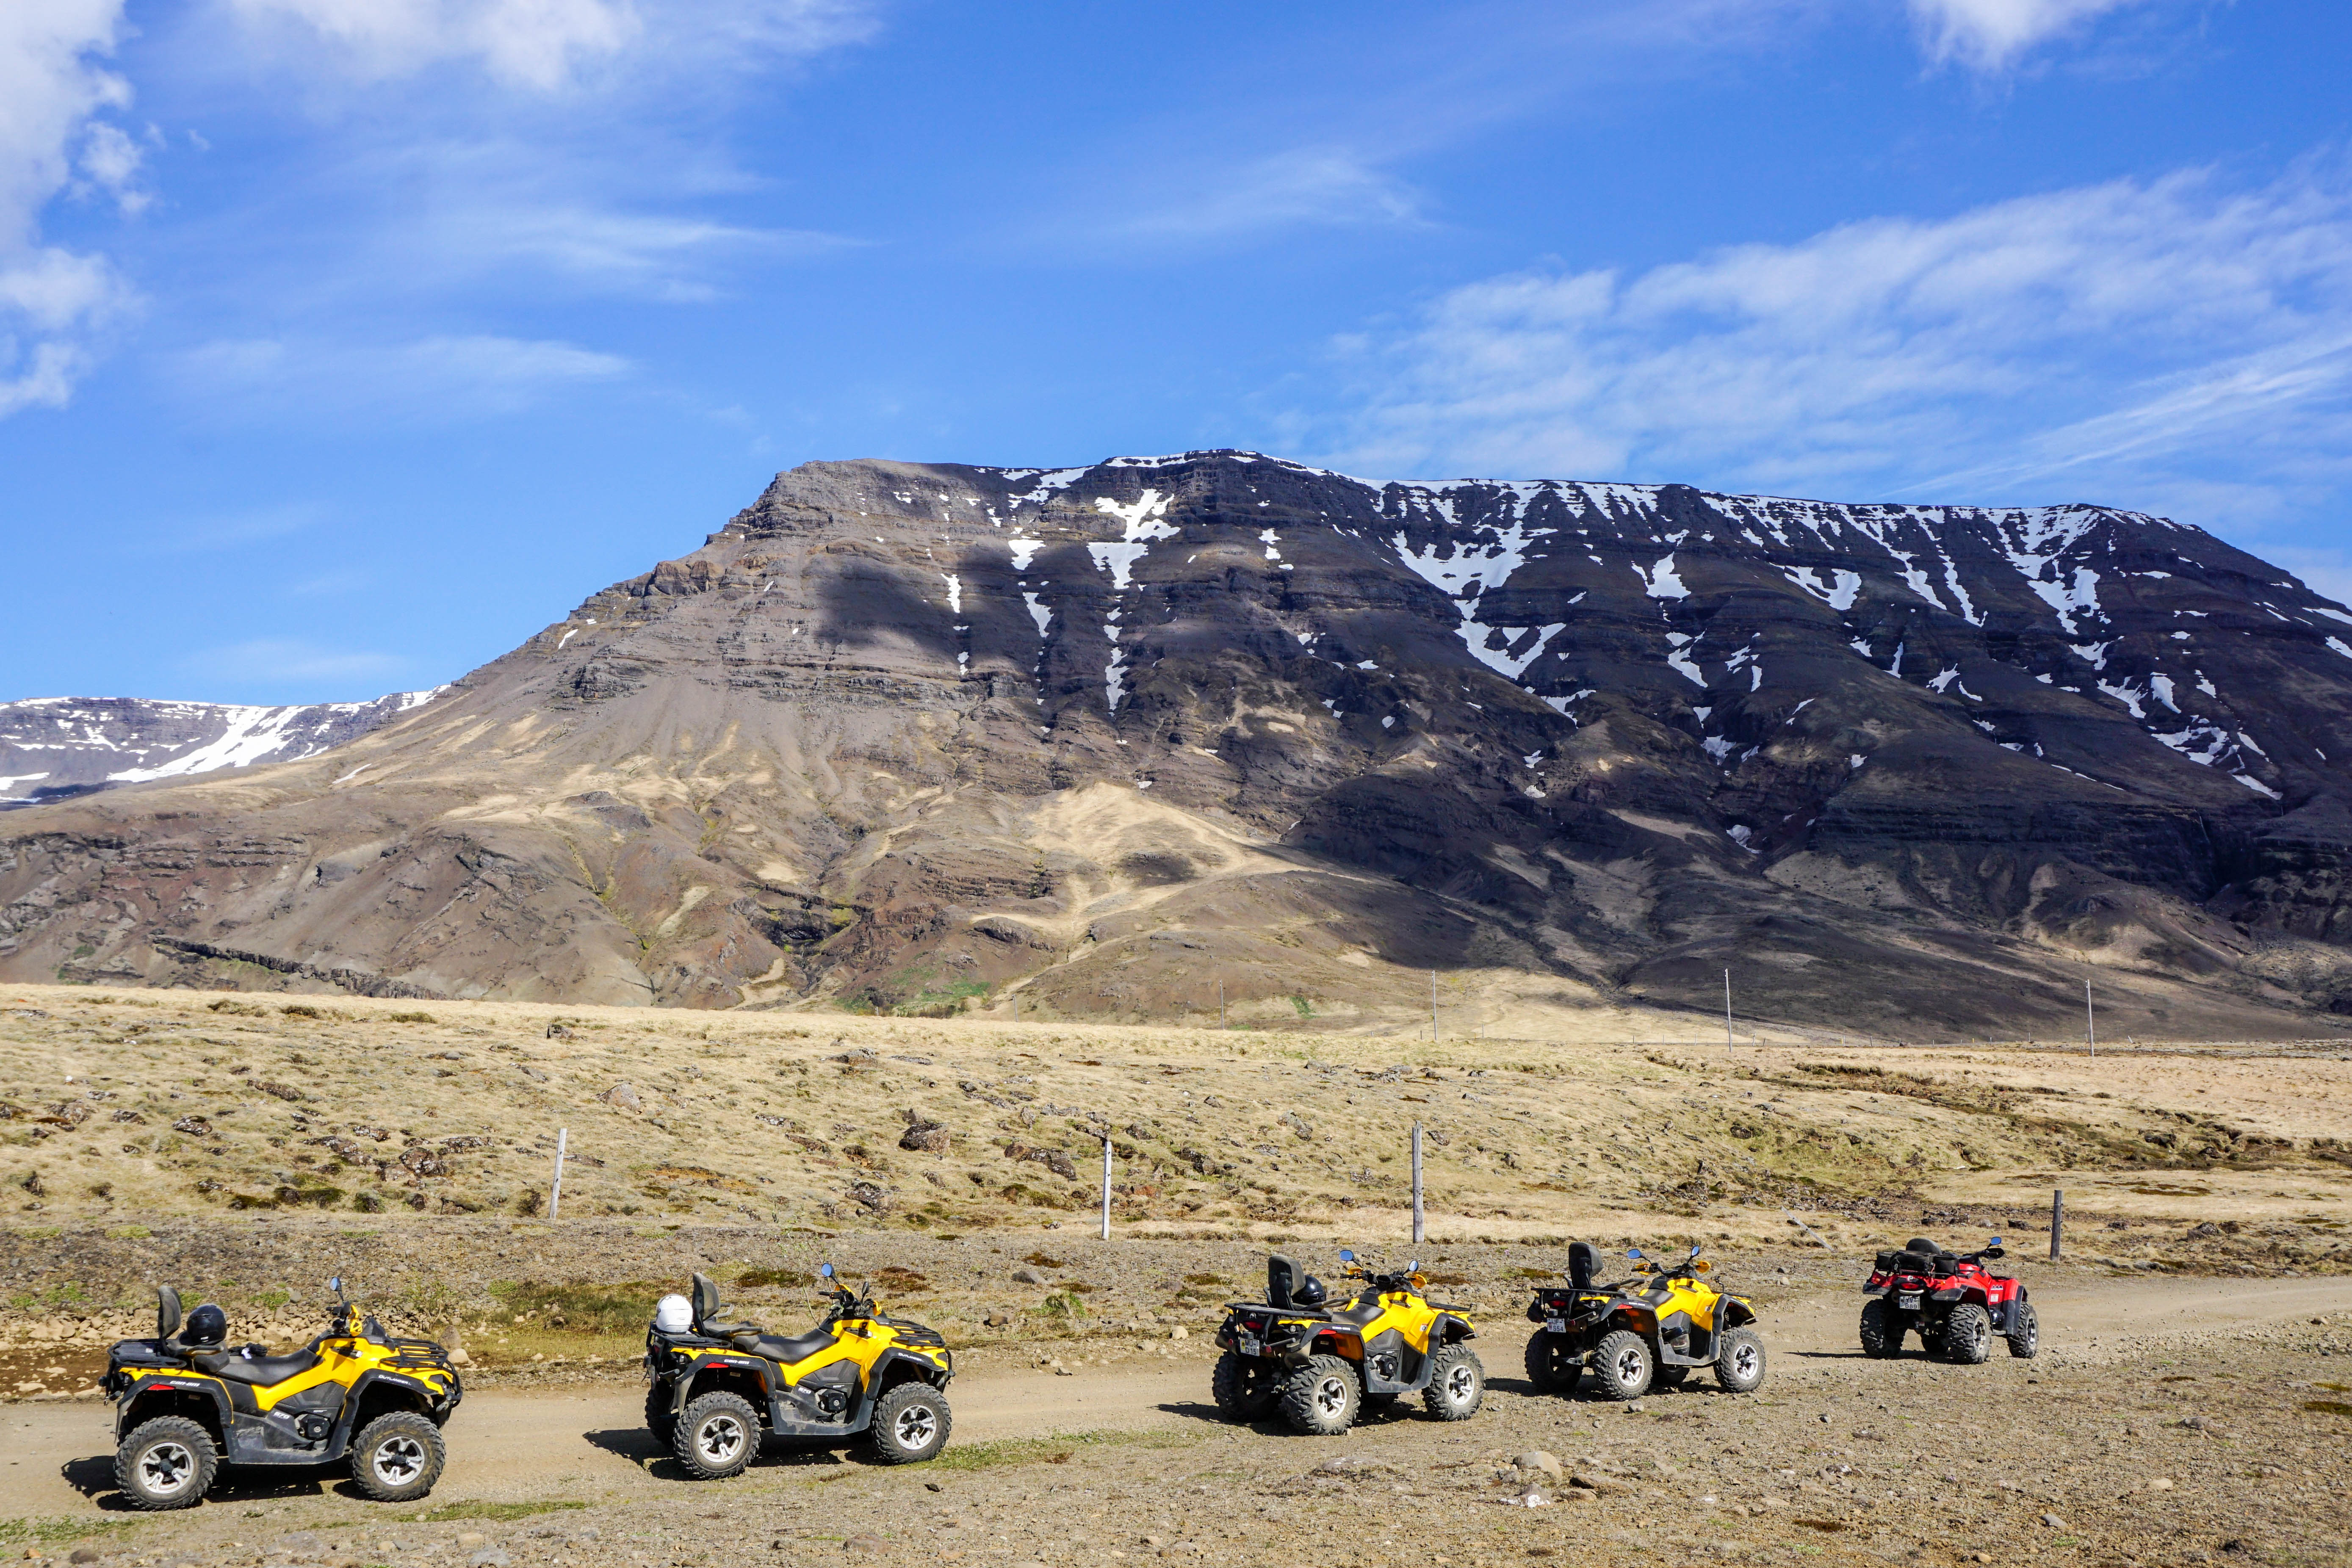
2057,1222
2090,1019
1726,1012
1105,1214
555,1196
1432,1006
1416,1184
1221,1001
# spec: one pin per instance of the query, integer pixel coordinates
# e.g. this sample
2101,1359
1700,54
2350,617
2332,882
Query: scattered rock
864,1545
471,1538
459,1358
927,1138
489,1557
2052,1521
623,1096
1537,1459
933,1487
1024,1275
1180,1332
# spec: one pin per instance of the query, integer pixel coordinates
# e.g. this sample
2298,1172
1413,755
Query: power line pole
1221,1001
2090,1019
1106,1212
1416,1184
555,1196
1726,1012
1432,1006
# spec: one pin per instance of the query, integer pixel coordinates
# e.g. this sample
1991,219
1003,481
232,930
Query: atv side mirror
1346,1256
825,1270
336,1284
1994,1242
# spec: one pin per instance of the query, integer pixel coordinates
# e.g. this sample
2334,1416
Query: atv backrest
167,1312
1281,1281
706,1300
1581,1260
1922,1245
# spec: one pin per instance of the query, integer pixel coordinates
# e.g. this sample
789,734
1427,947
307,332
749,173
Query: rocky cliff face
52,748
902,735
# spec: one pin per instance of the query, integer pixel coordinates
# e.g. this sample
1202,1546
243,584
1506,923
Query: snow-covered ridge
54,747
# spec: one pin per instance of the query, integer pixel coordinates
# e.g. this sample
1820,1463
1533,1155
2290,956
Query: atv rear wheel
911,1424
398,1457
717,1437
1457,1383
661,1420
1244,1386
1666,1379
169,1462
1739,1361
1321,1399
1882,1330
1621,1365
1968,1334
1550,1364
2025,1331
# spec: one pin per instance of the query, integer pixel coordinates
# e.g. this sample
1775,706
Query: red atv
1955,1302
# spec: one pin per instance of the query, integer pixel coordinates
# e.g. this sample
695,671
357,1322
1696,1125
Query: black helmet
1309,1294
207,1326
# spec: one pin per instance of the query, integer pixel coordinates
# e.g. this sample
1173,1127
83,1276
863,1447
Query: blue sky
344,344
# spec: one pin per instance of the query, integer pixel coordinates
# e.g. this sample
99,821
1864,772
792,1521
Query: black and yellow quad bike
1318,1365
185,1406
1642,1334
718,1386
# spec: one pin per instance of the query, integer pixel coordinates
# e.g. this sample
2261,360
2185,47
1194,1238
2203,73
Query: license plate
1910,1303
1555,1326
1250,1345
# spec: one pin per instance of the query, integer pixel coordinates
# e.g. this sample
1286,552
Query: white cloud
427,380
2131,337
1988,35
1305,186
53,301
548,43
279,660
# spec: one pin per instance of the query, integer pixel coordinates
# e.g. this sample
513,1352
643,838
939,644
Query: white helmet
674,1315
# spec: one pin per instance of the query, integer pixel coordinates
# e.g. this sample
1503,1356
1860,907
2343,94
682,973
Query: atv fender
893,1367
1730,1313
202,1400
380,1393
743,1376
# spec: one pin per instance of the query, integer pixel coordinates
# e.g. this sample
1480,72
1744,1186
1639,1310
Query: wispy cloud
233,530
276,660
549,44
1992,35
2124,338
427,380
1322,187
54,303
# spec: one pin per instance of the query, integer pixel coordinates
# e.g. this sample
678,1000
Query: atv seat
1357,1312
781,1347
261,1371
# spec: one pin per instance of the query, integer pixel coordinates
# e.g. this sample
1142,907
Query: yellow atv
718,1386
1642,1334
186,1404
1319,1364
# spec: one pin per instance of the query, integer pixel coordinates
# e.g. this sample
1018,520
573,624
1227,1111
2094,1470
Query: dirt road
513,1445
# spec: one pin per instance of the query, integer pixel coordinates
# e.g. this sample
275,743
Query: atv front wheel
1550,1365
717,1437
398,1457
1321,1399
911,1424
1244,1386
169,1462
1739,1361
1968,1334
661,1420
1882,1330
2025,1331
1621,1365
1457,1383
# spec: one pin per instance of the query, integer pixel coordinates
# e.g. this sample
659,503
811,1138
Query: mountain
54,747
915,737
